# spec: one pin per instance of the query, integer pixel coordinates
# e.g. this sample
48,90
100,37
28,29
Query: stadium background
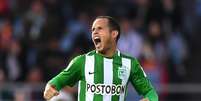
39,37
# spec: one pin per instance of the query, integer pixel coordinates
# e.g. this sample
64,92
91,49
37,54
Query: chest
107,71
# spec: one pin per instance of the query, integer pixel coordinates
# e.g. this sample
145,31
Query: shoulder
82,56
79,57
90,53
134,60
128,57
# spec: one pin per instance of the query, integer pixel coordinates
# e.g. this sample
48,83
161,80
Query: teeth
96,37
97,40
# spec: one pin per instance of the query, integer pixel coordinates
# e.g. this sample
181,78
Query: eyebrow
98,27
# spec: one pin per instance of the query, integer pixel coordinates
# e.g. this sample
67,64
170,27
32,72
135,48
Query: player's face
101,34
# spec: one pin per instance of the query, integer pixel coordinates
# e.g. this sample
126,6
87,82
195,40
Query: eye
99,28
92,29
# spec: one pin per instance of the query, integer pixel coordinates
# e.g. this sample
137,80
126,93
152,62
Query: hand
144,99
50,92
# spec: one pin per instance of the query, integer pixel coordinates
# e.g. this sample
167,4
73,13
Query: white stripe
79,87
89,67
118,52
127,64
108,76
143,71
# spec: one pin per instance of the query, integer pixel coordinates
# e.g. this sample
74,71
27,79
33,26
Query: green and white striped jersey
104,79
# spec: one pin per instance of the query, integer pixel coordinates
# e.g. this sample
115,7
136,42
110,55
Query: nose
95,32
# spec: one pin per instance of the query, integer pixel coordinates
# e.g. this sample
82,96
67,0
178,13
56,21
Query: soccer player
104,73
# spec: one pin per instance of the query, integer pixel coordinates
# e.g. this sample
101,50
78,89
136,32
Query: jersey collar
117,53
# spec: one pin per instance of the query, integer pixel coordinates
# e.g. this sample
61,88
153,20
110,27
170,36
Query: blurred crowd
38,38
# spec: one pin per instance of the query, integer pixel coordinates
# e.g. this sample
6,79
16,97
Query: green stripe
82,90
98,75
83,83
116,64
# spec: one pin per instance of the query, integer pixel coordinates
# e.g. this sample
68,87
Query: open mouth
97,40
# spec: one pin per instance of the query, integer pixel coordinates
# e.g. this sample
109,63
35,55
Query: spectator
36,16
155,54
130,41
35,76
178,54
12,62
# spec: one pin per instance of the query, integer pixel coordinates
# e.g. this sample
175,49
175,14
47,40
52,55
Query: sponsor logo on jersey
104,89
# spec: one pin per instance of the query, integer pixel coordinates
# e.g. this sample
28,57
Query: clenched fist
50,92
145,99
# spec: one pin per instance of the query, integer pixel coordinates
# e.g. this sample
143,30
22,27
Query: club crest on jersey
122,72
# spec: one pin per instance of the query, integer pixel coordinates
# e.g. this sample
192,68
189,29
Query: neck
109,52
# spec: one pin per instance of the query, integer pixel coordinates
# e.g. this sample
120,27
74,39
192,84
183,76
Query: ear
114,34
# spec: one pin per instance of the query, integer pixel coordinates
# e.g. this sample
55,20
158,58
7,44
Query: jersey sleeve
70,75
140,82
